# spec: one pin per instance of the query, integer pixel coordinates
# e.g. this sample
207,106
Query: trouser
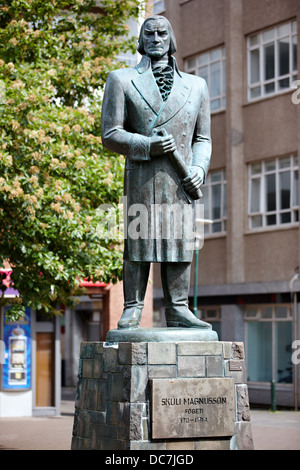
175,278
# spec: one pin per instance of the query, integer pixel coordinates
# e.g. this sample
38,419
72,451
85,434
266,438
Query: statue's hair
173,45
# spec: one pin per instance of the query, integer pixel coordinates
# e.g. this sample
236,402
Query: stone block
90,395
191,366
98,417
114,411
161,353
238,350
116,387
110,359
97,366
112,444
132,353
79,399
87,350
87,368
198,348
227,348
80,444
139,381
134,386
102,394
214,366
213,444
180,445
244,436
243,408
161,371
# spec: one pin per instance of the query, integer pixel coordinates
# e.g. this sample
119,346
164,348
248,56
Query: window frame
273,320
260,46
160,10
209,64
208,228
293,210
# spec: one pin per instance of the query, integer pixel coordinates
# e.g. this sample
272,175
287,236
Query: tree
54,172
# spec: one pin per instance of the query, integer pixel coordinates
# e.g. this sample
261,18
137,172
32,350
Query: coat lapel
178,97
146,86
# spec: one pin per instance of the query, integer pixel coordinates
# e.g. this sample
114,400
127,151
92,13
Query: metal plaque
191,408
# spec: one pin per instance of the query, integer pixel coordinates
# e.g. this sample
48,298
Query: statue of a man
151,113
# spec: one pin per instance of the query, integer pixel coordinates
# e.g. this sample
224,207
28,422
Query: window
269,339
212,67
272,61
211,315
273,192
214,200
158,6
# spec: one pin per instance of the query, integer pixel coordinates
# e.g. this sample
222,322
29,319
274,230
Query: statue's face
156,39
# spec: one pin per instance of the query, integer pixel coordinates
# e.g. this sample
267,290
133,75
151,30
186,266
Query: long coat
158,214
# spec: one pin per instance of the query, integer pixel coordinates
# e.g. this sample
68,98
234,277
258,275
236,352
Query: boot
135,279
176,281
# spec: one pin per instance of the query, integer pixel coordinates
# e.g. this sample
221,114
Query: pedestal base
145,335
124,388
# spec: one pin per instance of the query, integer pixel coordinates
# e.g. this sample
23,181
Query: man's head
156,38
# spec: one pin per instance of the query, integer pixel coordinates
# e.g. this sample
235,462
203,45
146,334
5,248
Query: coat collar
145,64
148,89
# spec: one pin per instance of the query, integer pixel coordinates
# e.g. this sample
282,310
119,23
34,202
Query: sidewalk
271,431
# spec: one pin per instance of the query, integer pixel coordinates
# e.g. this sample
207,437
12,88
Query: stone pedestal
128,390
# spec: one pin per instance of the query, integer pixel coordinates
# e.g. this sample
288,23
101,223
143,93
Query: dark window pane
284,56
254,66
271,219
285,218
217,227
295,195
295,53
271,193
285,83
285,189
216,201
269,62
270,87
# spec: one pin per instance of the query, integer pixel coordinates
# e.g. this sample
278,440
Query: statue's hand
194,180
159,145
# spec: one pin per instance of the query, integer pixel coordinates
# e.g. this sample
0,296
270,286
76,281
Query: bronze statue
159,118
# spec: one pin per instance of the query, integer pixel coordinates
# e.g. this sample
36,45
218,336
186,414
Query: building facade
247,276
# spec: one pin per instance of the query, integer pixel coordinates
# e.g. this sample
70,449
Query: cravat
164,77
